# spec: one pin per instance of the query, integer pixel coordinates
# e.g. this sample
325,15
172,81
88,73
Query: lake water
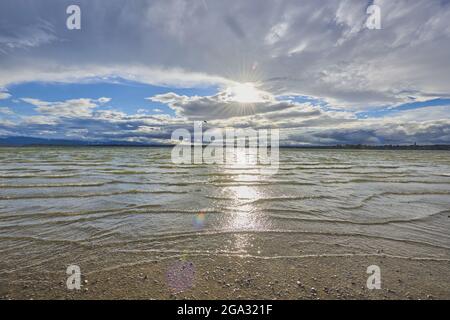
108,207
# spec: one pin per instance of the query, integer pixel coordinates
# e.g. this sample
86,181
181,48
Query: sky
138,70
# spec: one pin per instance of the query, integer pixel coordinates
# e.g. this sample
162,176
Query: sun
245,93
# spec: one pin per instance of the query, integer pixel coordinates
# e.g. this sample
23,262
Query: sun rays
246,93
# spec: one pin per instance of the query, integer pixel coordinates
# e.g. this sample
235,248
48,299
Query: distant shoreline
424,147
39,142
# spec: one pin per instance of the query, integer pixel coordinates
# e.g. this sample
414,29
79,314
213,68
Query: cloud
299,123
50,71
4,95
68,108
26,36
379,132
38,120
316,48
422,114
311,123
104,100
225,104
6,111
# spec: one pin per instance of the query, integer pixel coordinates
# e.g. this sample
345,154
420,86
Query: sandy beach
249,278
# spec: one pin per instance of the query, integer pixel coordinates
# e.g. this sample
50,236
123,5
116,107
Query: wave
287,198
104,213
413,193
385,180
180,235
57,185
33,176
242,254
379,222
91,195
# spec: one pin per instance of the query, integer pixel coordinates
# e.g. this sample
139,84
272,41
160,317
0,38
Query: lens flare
180,276
199,220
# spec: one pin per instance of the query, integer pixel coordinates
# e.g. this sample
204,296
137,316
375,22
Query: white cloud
276,33
68,108
6,111
52,72
110,115
422,114
104,100
299,123
222,105
39,120
4,95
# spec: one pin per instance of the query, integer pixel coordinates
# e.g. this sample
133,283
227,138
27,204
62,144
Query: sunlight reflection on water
245,215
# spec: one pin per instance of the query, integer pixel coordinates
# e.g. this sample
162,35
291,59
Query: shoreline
220,277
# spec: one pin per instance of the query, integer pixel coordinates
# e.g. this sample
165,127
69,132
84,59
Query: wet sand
249,278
